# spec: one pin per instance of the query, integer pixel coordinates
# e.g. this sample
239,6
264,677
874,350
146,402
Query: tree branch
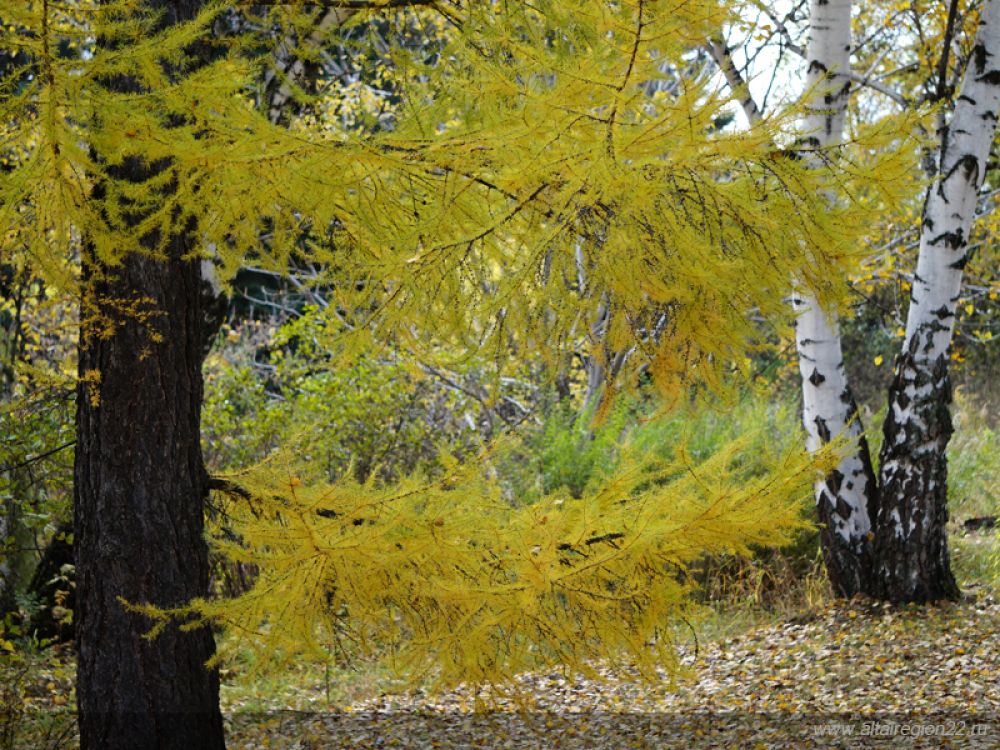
723,58
875,85
39,457
942,70
229,487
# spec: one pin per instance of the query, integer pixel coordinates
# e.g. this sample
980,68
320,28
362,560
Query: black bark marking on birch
979,55
970,164
961,263
816,378
953,240
913,566
835,481
903,400
822,430
843,509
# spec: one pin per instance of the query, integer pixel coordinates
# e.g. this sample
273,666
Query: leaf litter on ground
852,674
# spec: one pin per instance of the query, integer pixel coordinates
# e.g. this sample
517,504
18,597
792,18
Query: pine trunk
911,542
846,499
140,491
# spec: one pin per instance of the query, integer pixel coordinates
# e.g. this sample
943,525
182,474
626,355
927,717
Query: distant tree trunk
846,499
52,585
8,553
12,288
140,490
911,542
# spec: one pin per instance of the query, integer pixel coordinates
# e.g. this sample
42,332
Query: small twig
39,457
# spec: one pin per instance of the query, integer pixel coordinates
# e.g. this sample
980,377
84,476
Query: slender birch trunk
846,498
911,541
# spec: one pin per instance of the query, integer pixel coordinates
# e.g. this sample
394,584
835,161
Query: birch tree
886,535
911,537
845,499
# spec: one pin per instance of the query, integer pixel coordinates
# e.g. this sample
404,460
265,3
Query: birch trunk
911,541
845,499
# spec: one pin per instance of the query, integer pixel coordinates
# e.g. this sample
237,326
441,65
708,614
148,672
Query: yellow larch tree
144,171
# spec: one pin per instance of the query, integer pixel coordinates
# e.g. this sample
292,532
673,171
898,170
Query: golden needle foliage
547,156
446,578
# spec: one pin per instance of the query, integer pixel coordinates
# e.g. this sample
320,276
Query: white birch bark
845,497
912,541
723,58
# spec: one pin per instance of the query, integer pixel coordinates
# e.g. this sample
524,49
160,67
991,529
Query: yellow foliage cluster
529,155
447,581
551,155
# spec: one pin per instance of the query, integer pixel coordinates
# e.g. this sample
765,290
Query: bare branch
876,85
723,57
39,457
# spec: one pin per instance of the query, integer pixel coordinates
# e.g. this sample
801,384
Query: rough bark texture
139,502
846,499
140,489
911,543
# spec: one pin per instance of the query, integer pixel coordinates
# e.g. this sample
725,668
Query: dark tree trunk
911,537
53,585
140,490
139,501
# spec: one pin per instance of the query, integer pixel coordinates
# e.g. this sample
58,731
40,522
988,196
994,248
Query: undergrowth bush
572,451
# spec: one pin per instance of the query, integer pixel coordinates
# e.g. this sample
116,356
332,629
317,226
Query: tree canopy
529,164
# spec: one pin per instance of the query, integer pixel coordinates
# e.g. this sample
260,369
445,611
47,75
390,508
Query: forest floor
847,675
842,675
